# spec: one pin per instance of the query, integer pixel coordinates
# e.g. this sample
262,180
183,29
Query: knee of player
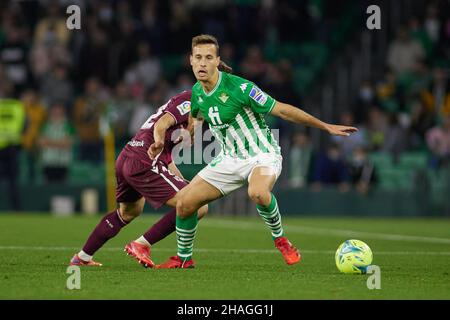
259,196
181,209
129,214
185,208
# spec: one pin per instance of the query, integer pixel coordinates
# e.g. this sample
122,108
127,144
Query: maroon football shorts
137,178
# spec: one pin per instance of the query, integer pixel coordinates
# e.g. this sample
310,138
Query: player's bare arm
193,125
296,115
174,169
159,133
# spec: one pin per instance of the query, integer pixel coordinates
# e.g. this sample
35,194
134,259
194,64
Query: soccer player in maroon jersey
139,178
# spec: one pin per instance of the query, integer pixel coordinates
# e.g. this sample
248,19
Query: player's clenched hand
338,130
155,149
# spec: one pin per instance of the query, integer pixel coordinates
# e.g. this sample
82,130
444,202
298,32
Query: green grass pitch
235,259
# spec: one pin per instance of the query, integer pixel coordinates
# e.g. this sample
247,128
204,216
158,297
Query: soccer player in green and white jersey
234,108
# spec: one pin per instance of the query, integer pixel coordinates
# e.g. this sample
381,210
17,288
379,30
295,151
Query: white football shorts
229,173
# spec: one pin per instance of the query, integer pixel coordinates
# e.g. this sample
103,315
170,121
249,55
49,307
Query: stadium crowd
116,68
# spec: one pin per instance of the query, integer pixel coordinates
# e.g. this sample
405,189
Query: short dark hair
205,39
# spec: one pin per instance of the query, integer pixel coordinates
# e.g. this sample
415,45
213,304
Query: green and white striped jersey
235,111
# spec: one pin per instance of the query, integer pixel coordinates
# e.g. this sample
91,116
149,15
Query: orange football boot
176,262
290,253
140,252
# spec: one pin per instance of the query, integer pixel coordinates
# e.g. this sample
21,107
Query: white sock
143,241
84,256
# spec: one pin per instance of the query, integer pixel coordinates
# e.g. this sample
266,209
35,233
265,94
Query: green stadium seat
381,159
83,173
413,160
401,175
396,178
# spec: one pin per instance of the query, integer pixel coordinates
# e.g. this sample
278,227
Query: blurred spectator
388,93
180,25
228,54
421,119
88,109
419,33
52,30
278,81
412,84
431,23
254,66
436,97
153,100
42,60
444,39
6,87
438,141
13,57
50,43
140,114
35,117
404,52
357,139
377,127
118,112
300,156
395,140
152,26
125,46
57,88
12,120
55,142
362,170
184,82
330,169
366,97
147,69
95,55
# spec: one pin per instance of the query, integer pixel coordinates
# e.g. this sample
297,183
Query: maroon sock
162,228
107,228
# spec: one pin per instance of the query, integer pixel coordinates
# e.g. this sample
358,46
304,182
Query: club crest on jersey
184,108
258,95
223,97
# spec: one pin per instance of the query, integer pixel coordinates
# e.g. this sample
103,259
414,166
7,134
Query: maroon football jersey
179,107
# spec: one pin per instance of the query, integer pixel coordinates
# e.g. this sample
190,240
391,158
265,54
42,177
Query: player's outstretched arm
159,134
296,115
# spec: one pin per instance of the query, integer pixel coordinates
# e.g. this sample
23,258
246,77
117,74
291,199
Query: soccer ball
353,256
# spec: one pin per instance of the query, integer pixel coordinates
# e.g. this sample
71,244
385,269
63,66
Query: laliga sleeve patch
184,108
258,95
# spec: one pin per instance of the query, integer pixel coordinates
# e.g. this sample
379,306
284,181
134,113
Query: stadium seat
381,159
413,160
85,173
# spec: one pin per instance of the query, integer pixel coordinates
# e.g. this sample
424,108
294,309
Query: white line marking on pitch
222,250
217,223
